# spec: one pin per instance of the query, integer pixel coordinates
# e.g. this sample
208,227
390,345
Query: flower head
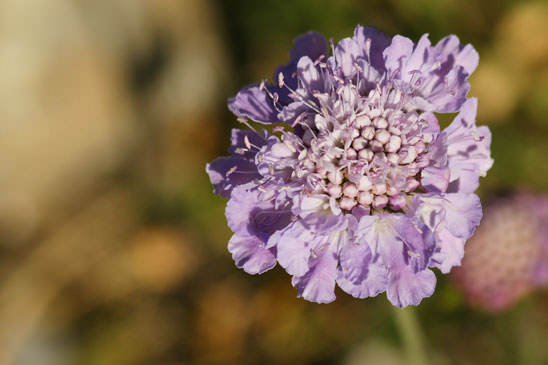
508,256
356,185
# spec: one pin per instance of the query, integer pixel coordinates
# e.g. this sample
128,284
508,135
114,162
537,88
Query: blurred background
112,244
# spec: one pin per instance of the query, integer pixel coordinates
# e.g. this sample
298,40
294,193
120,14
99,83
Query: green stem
411,335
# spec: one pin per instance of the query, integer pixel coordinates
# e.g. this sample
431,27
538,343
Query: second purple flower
356,185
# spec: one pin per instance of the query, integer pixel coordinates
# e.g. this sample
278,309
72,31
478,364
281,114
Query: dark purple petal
318,284
225,173
246,143
253,103
250,254
311,44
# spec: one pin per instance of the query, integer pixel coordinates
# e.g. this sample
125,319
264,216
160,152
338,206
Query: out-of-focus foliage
112,245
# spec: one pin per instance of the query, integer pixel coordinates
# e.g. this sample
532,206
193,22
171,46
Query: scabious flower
353,184
508,256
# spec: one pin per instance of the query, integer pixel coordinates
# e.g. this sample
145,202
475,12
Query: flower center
369,152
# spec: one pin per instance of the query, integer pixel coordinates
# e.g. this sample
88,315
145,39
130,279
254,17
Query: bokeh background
112,245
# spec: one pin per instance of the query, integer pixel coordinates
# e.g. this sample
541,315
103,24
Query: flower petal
309,75
225,173
409,288
294,245
374,282
253,103
397,53
318,284
250,254
311,44
452,218
465,56
372,43
468,149
250,212
246,143
435,179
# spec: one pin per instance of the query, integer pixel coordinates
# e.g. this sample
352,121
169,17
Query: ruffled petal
374,281
250,212
466,56
409,288
253,103
451,251
452,218
437,74
294,245
354,261
250,254
468,149
396,239
404,252
318,284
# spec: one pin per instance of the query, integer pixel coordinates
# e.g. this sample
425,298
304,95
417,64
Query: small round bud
411,185
392,191
347,203
351,154
365,198
362,121
393,144
380,201
380,123
364,184
366,154
368,132
335,177
397,202
393,157
382,136
359,143
376,146
379,189
334,190
350,190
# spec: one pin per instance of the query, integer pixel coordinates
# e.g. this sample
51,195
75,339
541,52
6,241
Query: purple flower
356,185
508,256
